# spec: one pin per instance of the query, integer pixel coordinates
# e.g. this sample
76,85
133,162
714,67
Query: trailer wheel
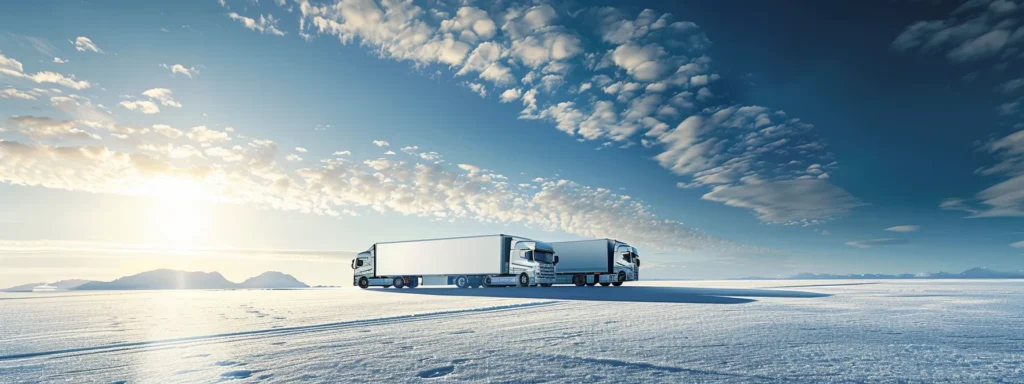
622,277
462,282
364,282
579,280
617,283
524,280
605,284
398,282
414,282
386,286
485,282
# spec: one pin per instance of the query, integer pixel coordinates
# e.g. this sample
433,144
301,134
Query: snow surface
692,331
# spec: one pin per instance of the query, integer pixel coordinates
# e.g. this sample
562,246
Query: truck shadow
636,294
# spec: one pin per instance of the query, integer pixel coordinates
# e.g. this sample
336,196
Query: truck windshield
544,257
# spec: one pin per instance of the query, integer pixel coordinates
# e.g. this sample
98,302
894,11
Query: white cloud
167,131
903,228
510,95
332,186
875,242
381,143
789,201
266,24
45,128
642,62
12,93
1019,244
654,73
205,136
144,106
976,30
300,150
163,95
14,68
181,69
1006,198
57,60
342,153
293,157
84,44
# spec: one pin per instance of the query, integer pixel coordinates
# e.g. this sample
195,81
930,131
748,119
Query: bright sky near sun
723,141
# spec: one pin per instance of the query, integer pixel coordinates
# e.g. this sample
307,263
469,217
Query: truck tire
462,282
485,282
364,282
414,282
398,282
622,277
605,284
579,280
524,280
617,283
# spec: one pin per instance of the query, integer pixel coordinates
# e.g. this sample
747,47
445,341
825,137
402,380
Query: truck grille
547,271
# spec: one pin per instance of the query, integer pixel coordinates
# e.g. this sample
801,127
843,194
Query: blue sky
255,135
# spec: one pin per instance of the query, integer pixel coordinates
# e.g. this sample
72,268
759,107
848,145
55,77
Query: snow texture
737,331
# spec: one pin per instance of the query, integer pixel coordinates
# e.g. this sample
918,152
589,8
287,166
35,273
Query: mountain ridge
973,273
159,279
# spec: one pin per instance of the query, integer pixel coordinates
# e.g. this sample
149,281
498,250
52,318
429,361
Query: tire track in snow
276,332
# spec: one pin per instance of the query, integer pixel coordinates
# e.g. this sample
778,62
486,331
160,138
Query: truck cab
536,259
627,260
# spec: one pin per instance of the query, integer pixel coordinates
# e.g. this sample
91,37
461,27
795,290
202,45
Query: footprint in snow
227,363
436,372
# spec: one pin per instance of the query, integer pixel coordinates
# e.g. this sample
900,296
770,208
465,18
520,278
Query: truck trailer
477,261
600,261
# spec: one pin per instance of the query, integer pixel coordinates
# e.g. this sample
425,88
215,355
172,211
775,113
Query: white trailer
600,261
477,261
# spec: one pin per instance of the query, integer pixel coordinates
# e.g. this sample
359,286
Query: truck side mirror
556,259
359,263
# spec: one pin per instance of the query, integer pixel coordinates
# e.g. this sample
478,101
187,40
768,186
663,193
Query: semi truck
467,262
599,261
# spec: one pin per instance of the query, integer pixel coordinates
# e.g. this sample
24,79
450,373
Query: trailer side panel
588,256
458,256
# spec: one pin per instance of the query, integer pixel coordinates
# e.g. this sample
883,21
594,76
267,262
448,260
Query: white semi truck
478,261
600,261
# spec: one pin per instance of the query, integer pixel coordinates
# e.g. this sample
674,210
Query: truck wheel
485,282
524,280
622,277
462,282
617,283
364,282
605,284
579,280
398,282
414,282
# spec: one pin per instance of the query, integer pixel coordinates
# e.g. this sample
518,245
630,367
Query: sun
179,215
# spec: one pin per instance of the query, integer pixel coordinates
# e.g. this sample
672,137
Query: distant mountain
273,280
163,279
174,279
60,285
973,273
23,287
